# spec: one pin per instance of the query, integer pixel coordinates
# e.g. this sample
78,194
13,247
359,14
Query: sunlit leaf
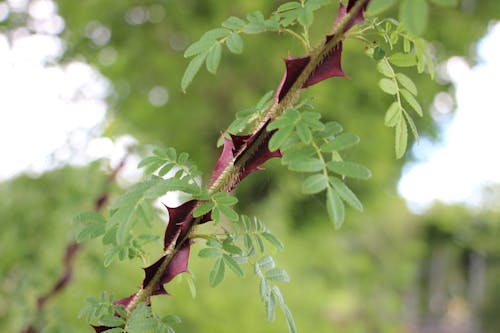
406,82
233,23
192,69
403,59
210,252
388,86
315,183
401,138
235,43
213,58
410,99
345,193
306,165
341,142
217,273
392,115
414,15
277,275
349,169
233,265
335,207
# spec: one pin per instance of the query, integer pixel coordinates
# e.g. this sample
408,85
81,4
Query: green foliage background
363,278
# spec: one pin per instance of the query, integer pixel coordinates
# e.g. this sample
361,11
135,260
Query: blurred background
82,83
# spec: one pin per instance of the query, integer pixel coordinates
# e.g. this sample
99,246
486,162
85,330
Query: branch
244,154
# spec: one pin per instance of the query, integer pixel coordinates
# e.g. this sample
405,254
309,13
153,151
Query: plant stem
229,175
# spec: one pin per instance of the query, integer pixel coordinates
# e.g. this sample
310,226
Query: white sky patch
457,169
46,111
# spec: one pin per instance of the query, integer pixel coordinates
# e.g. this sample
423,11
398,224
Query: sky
51,115
466,158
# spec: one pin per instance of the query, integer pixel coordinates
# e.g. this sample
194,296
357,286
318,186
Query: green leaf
225,199
152,167
216,215
233,265
160,152
289,319
341,142
375,7
171,319
183,157
234,23
280,137
213,58
125,217
297,152
209,252
171,154
265,263
392,115
272,24
384,68
91,231
255,17
111,321
273,240
277,275
203,208
271,308
234,43
306,165
394,38
445,3
345,193
192,69
305,17
335,207
332,128
165,169
388,86
401,138
230,213
198,47
408,97
217,273
315,183
403,59
286,120
378,53
148,160
349,169
163,186
414,15
110,255
114,330
303,132
254,28
260,243
406,45
407,83
412,126
89,217
216,33
265,100
229,247
288,6
247,240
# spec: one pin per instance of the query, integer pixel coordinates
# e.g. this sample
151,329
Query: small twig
72,249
